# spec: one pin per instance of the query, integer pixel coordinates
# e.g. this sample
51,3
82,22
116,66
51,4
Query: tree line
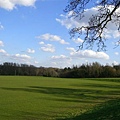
93,70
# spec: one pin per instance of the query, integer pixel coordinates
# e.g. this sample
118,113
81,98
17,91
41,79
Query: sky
36,32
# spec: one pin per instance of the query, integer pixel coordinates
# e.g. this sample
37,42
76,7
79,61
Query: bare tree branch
97,24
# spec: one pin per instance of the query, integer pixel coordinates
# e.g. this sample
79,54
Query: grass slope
40,98
107,111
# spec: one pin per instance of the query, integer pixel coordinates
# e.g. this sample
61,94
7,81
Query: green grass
42,98
107,111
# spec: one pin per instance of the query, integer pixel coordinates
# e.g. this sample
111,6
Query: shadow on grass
105,79
107,111
99,86
70,94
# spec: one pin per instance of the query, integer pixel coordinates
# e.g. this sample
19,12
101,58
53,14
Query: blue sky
36,32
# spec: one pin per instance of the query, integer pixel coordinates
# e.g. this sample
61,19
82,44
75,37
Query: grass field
42,98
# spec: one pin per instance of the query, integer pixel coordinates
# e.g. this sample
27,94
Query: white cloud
1,26
115,63
11,4
116,34
48,48
60,57
61,61
77,57
1,43
90,54
2,51
21,56
18,58
30,50
70,22
63,42
41,43
50,37
36,62
71,49
78,40
116,53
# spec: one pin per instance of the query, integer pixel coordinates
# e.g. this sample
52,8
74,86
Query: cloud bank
30,50
50,37
70,22
11,4
90,54
48,48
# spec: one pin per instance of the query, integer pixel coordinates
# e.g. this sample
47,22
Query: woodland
91,70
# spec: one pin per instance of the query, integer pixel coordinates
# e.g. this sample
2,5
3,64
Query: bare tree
107,11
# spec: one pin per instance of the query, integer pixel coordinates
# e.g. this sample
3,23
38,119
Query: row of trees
27,70
94,70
